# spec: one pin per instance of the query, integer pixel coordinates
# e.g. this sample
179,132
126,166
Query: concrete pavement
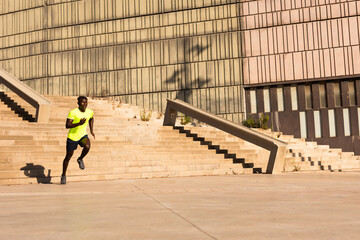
287,206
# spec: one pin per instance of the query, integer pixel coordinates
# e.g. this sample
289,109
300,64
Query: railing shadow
37,171
218,149
21,112
35,99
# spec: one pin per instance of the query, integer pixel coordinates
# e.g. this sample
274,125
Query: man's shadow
37,171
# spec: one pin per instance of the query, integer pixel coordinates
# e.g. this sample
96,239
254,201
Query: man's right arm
70,124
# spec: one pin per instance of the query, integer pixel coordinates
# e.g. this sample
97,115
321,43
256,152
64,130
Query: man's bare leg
85,143
66,161
65,165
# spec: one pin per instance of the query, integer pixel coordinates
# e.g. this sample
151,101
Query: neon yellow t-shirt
78,132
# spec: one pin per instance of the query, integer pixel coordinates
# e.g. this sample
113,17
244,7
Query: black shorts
72,145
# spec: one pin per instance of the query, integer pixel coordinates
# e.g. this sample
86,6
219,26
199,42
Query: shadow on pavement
37,171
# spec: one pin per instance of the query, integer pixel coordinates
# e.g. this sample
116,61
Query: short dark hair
81,98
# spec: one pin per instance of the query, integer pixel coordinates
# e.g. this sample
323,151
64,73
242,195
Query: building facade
301,65
141,51
294,60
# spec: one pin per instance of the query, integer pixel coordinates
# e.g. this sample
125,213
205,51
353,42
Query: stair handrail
276,147
35,99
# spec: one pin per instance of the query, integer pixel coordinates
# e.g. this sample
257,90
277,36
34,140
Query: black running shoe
63,180
81,164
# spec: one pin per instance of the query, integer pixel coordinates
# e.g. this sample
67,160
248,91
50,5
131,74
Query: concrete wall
142,51
287,40
201,51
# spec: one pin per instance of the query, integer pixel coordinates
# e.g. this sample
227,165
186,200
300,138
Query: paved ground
291,206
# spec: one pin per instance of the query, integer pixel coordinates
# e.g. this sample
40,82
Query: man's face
82,104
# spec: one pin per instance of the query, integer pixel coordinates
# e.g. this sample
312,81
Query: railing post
276,159
170,115
43,113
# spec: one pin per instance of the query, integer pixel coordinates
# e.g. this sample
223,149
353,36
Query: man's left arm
91,125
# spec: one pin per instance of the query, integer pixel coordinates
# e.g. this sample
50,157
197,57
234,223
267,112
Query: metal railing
35,99
275,146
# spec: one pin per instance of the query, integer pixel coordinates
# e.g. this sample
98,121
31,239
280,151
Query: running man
77,122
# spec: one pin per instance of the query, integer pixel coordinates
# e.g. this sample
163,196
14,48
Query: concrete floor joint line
177,214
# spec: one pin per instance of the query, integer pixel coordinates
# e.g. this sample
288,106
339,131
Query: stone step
14,118
343,163
61,125
323,165
64,133
7,113
16,137
120,152
61,136
110,176
313,154
118,128
62,143
94,163
38,170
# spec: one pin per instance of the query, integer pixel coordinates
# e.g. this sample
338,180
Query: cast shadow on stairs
37,171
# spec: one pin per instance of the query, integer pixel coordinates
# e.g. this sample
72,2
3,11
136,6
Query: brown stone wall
141,51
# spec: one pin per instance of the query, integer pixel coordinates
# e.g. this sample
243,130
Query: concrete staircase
125,147
300,155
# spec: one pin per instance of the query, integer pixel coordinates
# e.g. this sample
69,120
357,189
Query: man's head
82,102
